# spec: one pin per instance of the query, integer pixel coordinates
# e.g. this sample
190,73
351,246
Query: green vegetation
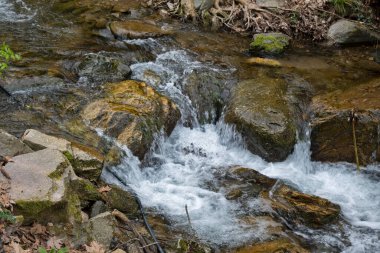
53,250
272,44
7,216
7,56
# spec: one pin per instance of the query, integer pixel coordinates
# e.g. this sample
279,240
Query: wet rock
349,32
85,190
301,208
100,68
38,141
261,114
331,135
208,91
269,43
192,246
121,200
38,187
134,29
133,113
11,146
295,207
275,246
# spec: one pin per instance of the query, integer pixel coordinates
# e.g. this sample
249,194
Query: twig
188,217
353,120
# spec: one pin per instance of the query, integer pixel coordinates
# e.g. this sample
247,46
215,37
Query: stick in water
188,217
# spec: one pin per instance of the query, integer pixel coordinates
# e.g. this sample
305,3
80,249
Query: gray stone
203,5
97,208
38,186
101,229
135,29
349,32
100,68
11,146
38,141
271,3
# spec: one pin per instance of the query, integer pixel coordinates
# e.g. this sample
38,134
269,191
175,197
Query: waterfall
182,167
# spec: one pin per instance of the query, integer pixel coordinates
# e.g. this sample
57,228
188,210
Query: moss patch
270,43
57,174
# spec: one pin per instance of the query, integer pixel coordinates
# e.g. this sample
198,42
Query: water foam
15,11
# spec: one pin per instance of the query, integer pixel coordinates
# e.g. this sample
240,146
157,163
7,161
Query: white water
186,163
15,11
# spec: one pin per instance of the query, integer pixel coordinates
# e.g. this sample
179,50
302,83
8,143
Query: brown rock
134,29
332,137
132,112
282,245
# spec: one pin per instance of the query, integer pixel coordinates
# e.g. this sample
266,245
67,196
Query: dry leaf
104,189
54,242
94,247
38,229
17,248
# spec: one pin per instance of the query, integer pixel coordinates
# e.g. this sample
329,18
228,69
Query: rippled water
186,162
15,11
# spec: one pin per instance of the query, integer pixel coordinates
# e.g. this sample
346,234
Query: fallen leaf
94,247
38,229
17,248
54,242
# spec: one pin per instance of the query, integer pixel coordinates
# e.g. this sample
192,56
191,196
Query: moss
57,174
184,246
85,190
273,44
31,210
73,209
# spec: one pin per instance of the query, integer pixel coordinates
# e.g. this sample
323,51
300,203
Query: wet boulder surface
332,137
133,113
262,114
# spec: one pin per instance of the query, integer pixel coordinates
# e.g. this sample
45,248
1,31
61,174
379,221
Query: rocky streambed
175,116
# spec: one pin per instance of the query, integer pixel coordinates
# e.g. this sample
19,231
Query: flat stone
38,185
87,163
134,29
38,141
274,246
271,3
11,146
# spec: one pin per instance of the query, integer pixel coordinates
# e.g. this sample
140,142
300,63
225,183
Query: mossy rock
121,200
269,43
86,191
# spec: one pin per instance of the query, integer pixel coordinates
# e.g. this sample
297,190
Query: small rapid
182,168
15,11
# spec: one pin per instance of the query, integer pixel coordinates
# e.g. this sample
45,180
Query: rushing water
184,164
182,168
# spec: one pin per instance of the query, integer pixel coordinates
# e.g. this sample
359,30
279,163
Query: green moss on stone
273,44
57,174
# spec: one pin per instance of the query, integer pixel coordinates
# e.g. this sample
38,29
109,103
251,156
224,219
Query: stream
184,168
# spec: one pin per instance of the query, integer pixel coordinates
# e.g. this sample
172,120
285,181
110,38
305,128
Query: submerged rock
134,29
133,113
261,113
100,68
349,32
38,187
11,146
281,245
295,207
332,136
269,43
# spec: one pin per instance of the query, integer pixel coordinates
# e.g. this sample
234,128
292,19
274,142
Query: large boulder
349,32
39,182
135,29
133,113
332,133
295,207
209,92
261,113
11,146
